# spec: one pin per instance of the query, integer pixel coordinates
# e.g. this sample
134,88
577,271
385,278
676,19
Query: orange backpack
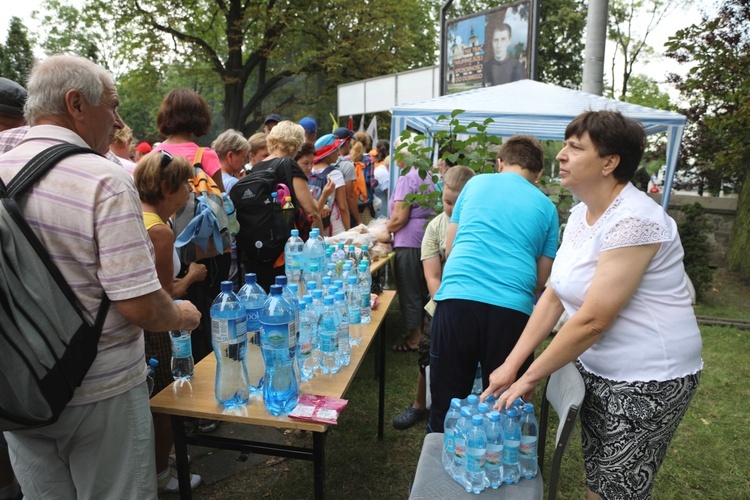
360,185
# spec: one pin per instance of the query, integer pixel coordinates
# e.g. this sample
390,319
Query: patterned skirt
626,428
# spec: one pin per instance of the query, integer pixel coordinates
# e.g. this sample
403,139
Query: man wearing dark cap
270,122
350,173
12,123
311,128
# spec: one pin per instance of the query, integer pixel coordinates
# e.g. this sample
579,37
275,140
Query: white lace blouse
655,336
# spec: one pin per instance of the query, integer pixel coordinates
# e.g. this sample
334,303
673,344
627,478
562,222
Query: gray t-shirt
347,168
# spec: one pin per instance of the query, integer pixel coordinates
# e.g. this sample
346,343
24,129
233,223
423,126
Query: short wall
721,212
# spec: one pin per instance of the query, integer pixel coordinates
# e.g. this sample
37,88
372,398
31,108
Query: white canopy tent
538,109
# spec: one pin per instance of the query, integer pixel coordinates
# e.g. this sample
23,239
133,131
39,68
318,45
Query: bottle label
328,342
475,462
228,331
510,452
355,315
181,347
459,447
366,300
305,349
277,335
448,441
494,455
253,319
528,446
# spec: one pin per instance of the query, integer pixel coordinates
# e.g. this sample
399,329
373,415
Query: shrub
694,231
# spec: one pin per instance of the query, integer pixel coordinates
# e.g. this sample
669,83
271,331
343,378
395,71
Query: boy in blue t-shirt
500,246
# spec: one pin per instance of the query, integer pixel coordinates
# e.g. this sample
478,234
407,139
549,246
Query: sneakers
168,483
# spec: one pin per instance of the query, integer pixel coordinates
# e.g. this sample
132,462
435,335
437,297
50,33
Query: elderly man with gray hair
86,213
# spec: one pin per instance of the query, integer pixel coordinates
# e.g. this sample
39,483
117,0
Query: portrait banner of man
492,47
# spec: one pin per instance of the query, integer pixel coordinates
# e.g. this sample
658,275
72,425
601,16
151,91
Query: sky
657,68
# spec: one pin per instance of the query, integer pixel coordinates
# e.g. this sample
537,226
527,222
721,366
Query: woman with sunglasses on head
162,183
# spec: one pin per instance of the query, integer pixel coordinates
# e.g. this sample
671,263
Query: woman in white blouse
619,275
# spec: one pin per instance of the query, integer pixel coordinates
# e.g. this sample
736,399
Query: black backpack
46,344
264,225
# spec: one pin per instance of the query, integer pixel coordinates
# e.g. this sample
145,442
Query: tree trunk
738,256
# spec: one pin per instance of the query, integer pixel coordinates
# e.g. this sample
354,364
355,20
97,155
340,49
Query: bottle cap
456,403
227,286
250,278
328,300
351,279
512,412
317,294
313,267
275,289
326,280
465,411
339,295
476,420
294,287
281,280
482,407
294,232
311,285
472,399
364,247
528,408
494,415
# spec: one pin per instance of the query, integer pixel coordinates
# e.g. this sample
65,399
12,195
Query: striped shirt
87,215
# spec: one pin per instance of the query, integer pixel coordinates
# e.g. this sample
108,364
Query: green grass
728,298
708,458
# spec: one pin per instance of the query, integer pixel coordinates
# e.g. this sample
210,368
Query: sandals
409,417
404,347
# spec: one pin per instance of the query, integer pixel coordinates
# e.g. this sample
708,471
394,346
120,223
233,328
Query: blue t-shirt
505,224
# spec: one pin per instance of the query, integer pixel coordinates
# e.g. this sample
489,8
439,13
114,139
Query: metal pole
443,10
596,37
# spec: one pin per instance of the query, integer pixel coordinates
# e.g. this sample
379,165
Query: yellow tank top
151,219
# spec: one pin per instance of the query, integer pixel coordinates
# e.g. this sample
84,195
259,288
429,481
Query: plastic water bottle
315,318
340,286
234,226
354,306
318,304
484,410
459,445
364,281
327,282
351,255
449,429
338,256
473,402
529,438
151,373
229,338
306,343
314,275
294,259
365,254
511,444
476,447
344,349
331,272
477,387
253,297
291,297
183,364
278,344
314,250
346,272
328,334
493,460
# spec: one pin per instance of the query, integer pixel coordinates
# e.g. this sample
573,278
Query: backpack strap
22,181
198,157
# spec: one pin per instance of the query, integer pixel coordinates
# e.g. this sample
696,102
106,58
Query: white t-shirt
655,336
383,177
338,179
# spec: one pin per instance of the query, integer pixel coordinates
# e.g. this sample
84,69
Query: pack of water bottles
484,448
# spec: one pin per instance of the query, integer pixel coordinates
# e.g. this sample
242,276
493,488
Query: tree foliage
16,57
694,230
631,22
717,88
267,55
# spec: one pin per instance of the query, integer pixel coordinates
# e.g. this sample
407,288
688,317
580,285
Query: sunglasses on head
166,159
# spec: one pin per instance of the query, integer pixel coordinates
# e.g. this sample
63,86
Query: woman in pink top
183,115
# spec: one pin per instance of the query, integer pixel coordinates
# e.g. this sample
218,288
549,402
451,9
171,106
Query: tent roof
523,107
